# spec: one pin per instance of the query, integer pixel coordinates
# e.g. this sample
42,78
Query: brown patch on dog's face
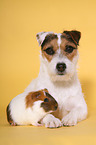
49,49
69,49
49,46
68,46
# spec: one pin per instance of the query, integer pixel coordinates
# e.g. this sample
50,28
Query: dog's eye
50,51
69,49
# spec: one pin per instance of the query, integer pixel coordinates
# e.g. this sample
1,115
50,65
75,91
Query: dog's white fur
66,88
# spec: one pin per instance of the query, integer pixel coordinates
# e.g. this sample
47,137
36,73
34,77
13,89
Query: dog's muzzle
61,68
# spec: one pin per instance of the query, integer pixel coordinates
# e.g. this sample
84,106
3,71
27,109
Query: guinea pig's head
48,103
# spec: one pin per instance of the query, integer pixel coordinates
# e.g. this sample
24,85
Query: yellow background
20,20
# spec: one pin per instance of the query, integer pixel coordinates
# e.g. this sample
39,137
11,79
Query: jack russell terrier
58,57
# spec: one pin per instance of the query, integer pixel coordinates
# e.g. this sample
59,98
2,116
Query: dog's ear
41,36
73,35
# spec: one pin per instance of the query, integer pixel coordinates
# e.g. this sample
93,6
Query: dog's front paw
51,122
69,120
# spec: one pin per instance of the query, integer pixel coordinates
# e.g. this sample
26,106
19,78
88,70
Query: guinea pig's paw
51,122
69,120
13,124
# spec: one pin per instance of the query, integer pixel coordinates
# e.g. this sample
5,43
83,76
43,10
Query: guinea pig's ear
37,94
41,36
73,35
45,90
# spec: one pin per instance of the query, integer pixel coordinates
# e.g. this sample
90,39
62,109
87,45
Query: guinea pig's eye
46,100
50,50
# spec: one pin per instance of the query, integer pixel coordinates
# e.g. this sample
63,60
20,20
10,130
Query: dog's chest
65,96
60,91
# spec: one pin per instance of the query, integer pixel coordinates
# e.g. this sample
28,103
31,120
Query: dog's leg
74,116
51,122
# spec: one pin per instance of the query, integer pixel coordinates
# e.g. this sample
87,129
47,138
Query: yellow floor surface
20,20
82,134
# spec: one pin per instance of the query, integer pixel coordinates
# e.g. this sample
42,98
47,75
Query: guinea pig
30,108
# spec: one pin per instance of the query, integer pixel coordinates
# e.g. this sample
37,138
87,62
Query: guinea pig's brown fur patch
48,104
35,96
9,117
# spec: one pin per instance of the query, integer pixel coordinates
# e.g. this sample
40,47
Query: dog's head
59,53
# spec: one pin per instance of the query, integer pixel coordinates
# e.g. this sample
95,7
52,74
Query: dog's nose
61,67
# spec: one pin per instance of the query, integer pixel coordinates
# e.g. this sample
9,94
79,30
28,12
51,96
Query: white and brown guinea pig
30,108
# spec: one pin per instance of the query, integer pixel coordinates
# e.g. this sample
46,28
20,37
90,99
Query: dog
58,57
